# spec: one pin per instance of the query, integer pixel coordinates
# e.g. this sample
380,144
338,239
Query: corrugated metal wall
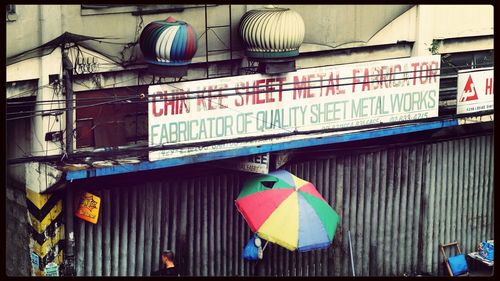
399,204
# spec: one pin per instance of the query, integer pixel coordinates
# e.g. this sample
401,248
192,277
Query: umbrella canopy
289,211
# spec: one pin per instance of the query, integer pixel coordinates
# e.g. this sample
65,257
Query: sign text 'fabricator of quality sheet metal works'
328,97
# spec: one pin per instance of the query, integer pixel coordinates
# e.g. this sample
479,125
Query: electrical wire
80,51
113,85
271,85
17,104
79,138
289,132
194,92
44,112
252,87
186,96
190,94
25,103
32,121
336,46
177,98
242,139
25,154
27,91
9,103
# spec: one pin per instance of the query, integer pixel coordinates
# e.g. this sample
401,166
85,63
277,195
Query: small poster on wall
52,269
89,208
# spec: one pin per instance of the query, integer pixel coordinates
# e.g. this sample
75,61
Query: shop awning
200,154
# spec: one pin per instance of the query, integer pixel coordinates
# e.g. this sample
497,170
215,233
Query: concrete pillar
45,218
49,66
424,33
50,28
45,214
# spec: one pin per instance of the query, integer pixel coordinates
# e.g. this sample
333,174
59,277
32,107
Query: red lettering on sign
209,99
321,75
181,104
301,88
168,102
433,71
240,93
269,91
222,100
280,81
380,77
333,85
256,96
201,104
415,66
354,79
157,113
262,91
424,73
310,94
239,100
366,80
172,104
489,87
213,98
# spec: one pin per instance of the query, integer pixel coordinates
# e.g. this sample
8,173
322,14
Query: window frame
450,65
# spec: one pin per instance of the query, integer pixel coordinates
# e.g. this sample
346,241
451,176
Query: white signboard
308,99
258,163
475,90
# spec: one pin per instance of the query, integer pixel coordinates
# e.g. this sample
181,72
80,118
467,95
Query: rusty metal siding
458,171
398,203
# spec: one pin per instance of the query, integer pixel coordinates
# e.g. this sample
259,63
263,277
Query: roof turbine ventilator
272,36
168,46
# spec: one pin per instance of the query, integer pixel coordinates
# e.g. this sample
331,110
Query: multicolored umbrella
284,209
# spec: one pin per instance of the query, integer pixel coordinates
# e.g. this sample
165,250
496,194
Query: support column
424,30
45,211
45,218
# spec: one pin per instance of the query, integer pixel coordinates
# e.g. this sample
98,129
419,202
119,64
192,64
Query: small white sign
475,90
282,158
52,269
254,163
35,260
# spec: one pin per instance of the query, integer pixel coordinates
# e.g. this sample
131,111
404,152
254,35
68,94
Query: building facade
79,119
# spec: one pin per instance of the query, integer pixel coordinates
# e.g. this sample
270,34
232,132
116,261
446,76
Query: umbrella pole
350,250
263,248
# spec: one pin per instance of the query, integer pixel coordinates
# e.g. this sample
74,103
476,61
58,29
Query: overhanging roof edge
250,150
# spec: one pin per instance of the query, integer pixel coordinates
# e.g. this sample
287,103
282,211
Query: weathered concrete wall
17,259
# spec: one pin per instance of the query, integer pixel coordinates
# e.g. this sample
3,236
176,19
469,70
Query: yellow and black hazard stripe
45,212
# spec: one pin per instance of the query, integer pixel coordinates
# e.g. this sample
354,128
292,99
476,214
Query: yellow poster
89,208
